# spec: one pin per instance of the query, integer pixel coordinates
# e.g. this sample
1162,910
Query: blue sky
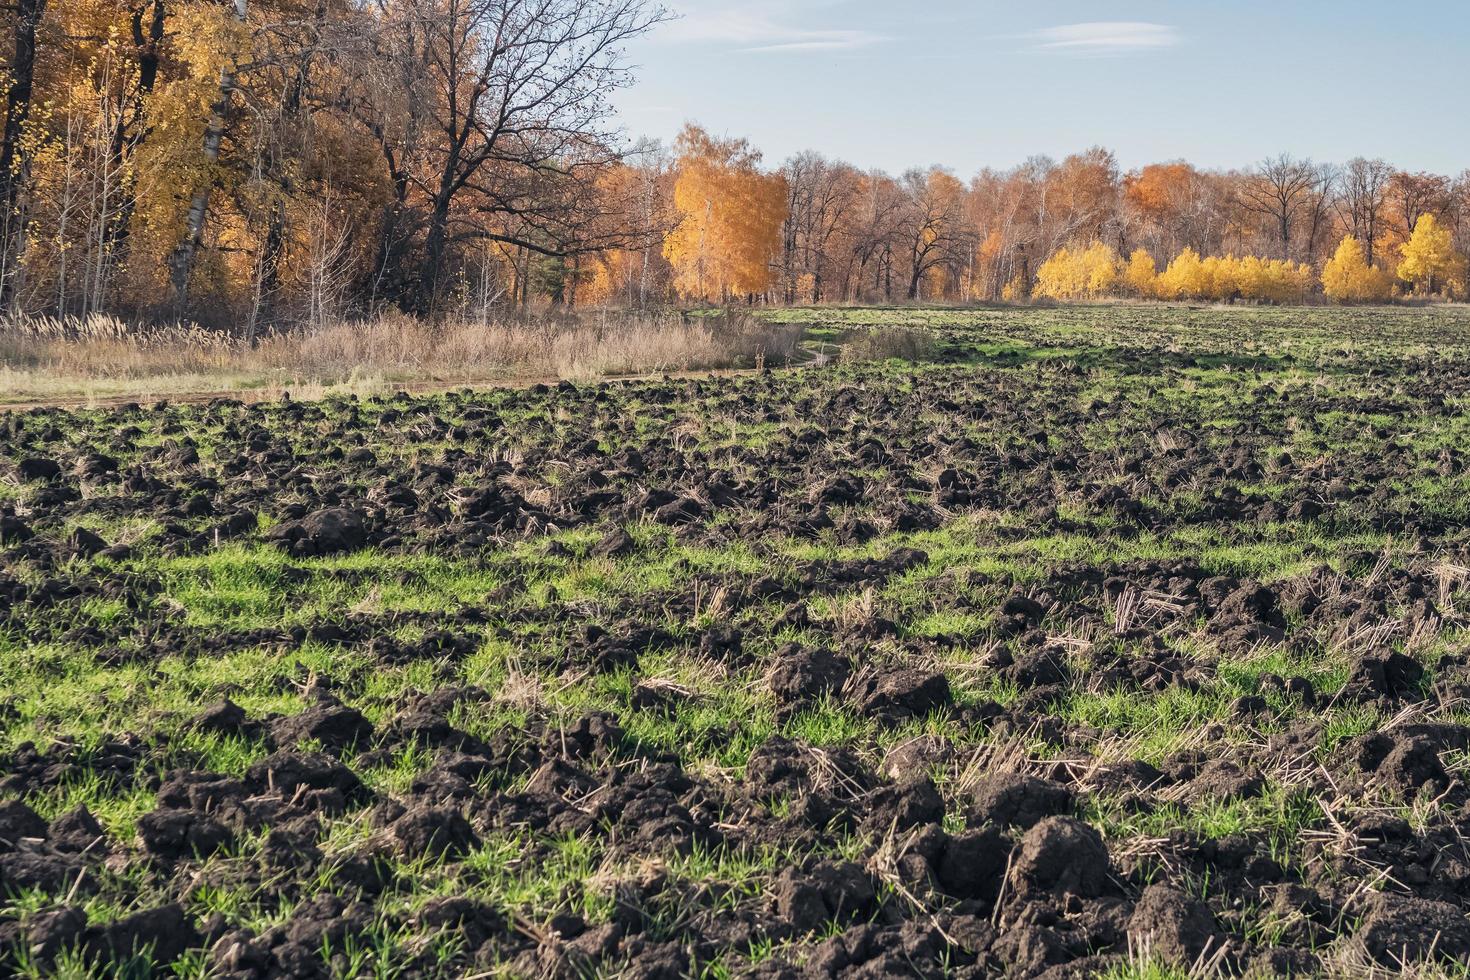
973,83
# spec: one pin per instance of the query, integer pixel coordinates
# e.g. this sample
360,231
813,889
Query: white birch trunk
182,261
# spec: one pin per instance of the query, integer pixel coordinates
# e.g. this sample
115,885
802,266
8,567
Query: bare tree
655,168
872,231
515,96
1317,207
934,227
1081,195
1414,195
1277,189
327,269
823,196
1362,199
1460,211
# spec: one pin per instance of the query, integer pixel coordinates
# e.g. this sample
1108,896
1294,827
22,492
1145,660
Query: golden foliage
1229,278
1084,274
323,170
1430,260
1348,278
1141,274
1098,271
1156,189
730,216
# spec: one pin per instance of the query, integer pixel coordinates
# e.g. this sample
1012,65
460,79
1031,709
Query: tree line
1284,230
259,162
1429,265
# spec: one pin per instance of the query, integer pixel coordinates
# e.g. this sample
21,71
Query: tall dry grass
47,357
885,343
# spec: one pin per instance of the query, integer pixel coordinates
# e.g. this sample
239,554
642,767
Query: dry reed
49,357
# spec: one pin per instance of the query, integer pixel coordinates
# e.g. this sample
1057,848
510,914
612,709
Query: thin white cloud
759,28
838,41
1106,37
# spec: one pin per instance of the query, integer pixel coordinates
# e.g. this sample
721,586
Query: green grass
1179,410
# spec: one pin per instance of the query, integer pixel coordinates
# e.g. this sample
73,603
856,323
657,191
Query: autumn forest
265,162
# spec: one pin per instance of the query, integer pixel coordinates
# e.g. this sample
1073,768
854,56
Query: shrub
1086,274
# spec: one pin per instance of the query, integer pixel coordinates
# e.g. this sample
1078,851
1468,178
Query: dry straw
46,356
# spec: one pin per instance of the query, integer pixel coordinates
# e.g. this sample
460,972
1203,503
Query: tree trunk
788,261
435,244
181,263
272,261
12,163
18,99
389,264
149,59
643,281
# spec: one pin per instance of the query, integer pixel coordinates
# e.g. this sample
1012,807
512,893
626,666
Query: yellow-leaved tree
1227,278
1141,275
1348,278
730,217
1085,274
1056,278
1273,280
1430,260
1185,278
